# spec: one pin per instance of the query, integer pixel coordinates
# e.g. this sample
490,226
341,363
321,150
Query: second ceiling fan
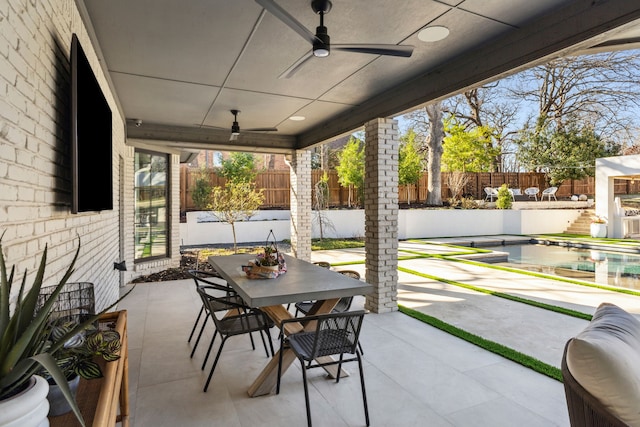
320,41
235,127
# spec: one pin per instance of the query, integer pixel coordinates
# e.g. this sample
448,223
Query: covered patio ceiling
178,68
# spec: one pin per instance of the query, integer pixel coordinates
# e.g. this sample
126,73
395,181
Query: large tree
488,108
599,91
467,150
434,152
567,153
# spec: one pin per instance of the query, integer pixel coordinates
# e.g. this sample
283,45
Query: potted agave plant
26,347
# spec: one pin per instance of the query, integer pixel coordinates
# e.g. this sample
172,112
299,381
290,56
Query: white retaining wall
411,224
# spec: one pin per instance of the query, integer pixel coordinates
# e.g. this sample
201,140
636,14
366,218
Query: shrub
504,200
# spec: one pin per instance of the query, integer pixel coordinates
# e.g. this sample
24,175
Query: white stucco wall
607,169
411,224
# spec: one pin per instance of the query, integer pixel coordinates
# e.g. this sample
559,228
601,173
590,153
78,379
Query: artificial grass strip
554,308
499,349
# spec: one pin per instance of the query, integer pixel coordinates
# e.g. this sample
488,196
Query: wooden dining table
303,281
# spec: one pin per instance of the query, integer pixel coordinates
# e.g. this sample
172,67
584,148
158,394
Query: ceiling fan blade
273,8
289,72
376,49
261,130
209,127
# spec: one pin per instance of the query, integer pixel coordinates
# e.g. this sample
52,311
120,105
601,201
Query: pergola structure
171,73
608,169
180,71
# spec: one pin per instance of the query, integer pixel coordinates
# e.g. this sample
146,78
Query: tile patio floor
415,374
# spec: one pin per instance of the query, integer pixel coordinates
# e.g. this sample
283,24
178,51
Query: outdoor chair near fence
532,192
490,193
549,193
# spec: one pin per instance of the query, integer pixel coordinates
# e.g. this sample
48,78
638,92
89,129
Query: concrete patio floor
415,374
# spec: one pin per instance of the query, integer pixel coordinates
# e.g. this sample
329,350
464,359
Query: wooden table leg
266,382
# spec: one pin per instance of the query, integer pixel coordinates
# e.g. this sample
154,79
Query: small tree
504,200
410,162
202,189
456,182
239,167
235,202
351,168
321,203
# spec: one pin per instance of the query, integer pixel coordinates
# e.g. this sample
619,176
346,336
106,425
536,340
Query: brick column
381,214
300,176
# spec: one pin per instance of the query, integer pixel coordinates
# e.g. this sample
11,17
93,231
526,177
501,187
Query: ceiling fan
235,127
321,40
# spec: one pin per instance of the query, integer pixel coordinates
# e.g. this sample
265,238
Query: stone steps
582,224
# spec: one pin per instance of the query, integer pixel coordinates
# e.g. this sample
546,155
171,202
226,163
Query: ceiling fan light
433,34
321,45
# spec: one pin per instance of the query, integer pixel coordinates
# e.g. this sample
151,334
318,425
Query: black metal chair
323,264
246,320
214,285
343,305
336,334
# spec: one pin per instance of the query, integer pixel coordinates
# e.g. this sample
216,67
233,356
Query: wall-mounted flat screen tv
91,138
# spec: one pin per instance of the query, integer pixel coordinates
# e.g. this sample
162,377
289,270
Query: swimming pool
602,267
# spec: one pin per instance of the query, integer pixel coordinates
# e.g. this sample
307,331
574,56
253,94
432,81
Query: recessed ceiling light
297,118
433,34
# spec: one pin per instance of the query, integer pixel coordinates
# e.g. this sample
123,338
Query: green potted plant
269,258
26,348
77,359
598,226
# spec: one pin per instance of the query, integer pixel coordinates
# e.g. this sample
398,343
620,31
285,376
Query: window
151,205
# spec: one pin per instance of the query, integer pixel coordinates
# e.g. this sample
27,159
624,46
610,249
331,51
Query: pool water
602,267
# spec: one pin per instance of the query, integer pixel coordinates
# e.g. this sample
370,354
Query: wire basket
75,303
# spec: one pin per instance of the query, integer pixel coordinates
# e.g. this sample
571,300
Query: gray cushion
605,359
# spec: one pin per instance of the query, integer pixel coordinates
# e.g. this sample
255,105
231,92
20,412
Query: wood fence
275,184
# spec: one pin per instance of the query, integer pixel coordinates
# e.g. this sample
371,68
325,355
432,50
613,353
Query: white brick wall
35,175
300,177
381,213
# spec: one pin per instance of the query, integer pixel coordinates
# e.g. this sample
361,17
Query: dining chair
344,304
213,284
336,334
323,264
246,320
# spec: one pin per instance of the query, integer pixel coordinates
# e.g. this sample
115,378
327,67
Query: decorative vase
29,408
58,404
598,230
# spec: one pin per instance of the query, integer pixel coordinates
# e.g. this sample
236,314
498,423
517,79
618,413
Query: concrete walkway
415,373
536,332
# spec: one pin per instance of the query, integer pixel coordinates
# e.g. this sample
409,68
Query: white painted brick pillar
300,176
381,214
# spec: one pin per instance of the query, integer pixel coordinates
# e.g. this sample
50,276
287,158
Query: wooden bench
104,402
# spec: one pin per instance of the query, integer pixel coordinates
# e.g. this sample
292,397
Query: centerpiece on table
269,264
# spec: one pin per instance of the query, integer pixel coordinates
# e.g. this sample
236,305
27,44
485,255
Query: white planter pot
598,230
28,408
